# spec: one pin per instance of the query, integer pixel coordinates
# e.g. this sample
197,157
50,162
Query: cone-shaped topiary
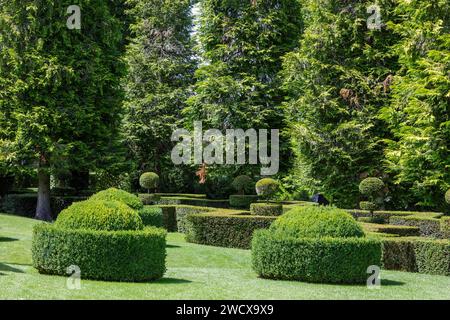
149,181
267,187
113,194
242,184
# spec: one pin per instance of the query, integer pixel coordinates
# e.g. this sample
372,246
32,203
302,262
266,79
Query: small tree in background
149,181
447,196
242,184
266,188
372,189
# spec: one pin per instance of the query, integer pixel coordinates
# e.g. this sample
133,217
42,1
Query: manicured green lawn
193,272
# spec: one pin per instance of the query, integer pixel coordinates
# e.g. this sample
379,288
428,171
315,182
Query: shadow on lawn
172,246
5,267
172,281
6,239
387,282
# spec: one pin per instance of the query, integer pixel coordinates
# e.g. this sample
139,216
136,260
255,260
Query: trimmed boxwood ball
99,215
242,200
137,255
113,194
267,187
149,180
317,222
371,186
266,209
447,196
151,216
321,260
242,184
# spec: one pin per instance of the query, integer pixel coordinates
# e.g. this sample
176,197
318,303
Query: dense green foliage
418,116
151,216
137,255
234,231
60,93
241,44
243,184
324,260
335,84
429,227
113,194
317,222
447,196
99,215
372,189
266,209
242,201
160,71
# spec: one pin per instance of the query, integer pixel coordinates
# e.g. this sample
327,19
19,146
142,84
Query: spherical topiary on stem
242,184
372,189
447,196
266,188
149,181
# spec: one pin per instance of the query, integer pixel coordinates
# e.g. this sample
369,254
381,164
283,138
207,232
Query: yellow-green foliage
119,195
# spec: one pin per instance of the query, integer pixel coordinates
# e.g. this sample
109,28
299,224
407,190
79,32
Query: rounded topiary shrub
113,194
315,244
242,184
371,186
106,239
317,222
242,201
129,255
267,188
321,260
266,209
151,216
447,196
149,180
99,215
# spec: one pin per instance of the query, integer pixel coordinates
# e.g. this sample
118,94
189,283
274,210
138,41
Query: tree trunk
43,209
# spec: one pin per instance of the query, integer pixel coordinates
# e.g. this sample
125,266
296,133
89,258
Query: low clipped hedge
266,209
403,231
130,255
323,260
428,227
224,230
151,216
445,227
182,212
417,255
149,198
193,201
242,201
113,194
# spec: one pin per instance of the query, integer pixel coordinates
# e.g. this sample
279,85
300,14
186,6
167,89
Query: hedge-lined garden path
193,272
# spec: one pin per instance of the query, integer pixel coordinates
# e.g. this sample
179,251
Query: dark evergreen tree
241,43
161,67
60,96
337,81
